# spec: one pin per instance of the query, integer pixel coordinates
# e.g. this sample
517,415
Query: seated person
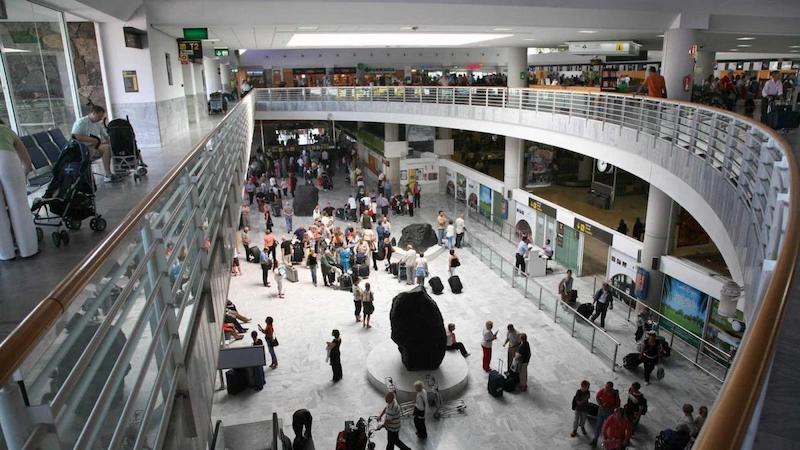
452,344
89,130
230,332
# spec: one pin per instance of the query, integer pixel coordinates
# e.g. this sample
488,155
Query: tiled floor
24,283
539,418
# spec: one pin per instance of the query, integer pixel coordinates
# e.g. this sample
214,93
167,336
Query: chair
50,148
39,159
58,137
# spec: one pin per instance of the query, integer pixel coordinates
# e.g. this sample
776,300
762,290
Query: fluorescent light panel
745,38
307,28
588,31
389,39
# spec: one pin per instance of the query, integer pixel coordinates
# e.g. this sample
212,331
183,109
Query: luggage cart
442,409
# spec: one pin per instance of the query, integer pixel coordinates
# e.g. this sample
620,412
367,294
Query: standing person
417,191
772,90
420,408
280,275
353,206
410,205
622,227
602,298
547,252
269,337
87,130
651,355
452,263
271,244
523,357
256,339
16,222
452,342
486,345
266,266
580,404
460,227
245,238
441,226
700,420
450,235
421,269
565,288
616,431
367,299
655,85
244,212
311,262
334,356
512,341
288,212
607,402
410,259
383,204
520,255
638,229
393,414
357,297
301,424
636,405
326,263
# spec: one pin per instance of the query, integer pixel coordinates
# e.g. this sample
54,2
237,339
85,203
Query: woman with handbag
272,342
334,356
452,262
367,300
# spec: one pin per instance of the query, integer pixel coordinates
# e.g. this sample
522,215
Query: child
235,269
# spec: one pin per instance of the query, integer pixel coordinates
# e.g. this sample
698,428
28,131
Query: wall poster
472,194
499,207
485,201
461,188
684,305
451,184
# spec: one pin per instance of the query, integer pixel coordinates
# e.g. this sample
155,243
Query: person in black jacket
580,404
334,356
523,357
638,230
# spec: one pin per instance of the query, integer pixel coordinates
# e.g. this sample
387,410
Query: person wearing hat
651,354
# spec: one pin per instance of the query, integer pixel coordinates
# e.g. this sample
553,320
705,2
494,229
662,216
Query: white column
391,132
14,419
703,66
517,67
213,80
659,222
676,63
225,77
514,162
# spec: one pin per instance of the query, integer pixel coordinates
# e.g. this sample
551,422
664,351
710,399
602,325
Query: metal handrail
18,345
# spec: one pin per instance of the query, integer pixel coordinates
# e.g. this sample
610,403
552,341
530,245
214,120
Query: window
169,69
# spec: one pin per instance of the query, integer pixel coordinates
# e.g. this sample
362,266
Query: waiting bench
44,149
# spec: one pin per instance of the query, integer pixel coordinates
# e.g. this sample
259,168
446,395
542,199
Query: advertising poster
461,188
538,165
419,133
451,183
525,220
499,207
485,204
684,305
724,332
472,194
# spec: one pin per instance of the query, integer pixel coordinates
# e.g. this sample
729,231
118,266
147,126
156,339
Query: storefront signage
190,50
313,71
219,52
344,70
560,234
380,70
590,230
541,207
597,48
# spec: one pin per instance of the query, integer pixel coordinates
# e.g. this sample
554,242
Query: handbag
660,373
456,262
275,342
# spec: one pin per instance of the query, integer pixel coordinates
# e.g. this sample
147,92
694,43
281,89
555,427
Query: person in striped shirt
393,413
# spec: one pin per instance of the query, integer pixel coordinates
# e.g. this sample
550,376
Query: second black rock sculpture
418,329
419,235
306,198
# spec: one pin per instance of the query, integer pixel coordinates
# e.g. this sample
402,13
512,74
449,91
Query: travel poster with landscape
684,305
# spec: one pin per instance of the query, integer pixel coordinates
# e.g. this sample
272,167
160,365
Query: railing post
437,95
526,287
594,332
555,311
573,325
15,421
540,298
404,94
501,272
614,362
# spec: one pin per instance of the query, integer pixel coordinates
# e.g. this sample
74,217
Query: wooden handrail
18,345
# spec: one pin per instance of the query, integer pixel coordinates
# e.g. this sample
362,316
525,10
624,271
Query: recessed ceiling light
746,38
660,35
588,31
15,50
407,28
529,39
734,50
307,28
393,39
794,46
790,51
502,29
212,40
744,45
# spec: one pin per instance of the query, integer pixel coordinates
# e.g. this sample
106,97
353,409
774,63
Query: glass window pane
86,61
36,66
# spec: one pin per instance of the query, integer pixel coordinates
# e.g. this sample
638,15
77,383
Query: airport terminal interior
432,224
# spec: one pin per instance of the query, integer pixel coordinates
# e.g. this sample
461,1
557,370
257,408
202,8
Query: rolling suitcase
362,270
402,272
436,285
345,282
586,310
511,381
291,274
573,296
455,284
236,379
393,268
496,383
631,361
592,410
361,258
256,377
255,254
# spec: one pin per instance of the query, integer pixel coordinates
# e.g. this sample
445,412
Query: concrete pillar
676,63
659,223
517,67
703,66
444,133
585,167
14,419
225,77
391,132
513,170
213,80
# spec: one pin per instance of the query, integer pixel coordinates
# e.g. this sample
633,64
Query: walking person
311,262
651,355
245,238
521,255
334,357
288,213
565,288
459,229
417,191
421,269
512,341
638,230
271,244
452,342
326,265
280,275
486,345
521,360
441,226
393,413
602,298
580,404
450,235
607,402
269,337
622,227
266,266
616,431
16,222
357,296
410,205
636,406
367,300
420,408
452,263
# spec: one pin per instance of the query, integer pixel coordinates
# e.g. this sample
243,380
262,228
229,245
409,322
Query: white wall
159,45
213,79
117,58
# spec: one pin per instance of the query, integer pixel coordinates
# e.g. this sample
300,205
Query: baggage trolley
442,409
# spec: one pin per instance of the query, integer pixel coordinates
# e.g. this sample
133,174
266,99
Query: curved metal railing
746,172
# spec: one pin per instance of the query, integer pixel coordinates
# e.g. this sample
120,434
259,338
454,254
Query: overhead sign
191,49
195,33
221,52
541,207
590,230
625,48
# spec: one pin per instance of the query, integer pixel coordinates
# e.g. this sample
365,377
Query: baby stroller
125,155
69,197
327,183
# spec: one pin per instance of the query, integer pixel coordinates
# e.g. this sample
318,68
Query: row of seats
44,149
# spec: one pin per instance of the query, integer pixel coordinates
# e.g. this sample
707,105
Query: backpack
420,271
265,261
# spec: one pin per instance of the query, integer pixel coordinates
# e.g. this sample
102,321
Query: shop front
308,77
344,76
596,245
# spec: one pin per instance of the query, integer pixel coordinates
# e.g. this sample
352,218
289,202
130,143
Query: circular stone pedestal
384,361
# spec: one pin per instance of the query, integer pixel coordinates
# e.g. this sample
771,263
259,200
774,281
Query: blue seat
38,157
50,148
58,137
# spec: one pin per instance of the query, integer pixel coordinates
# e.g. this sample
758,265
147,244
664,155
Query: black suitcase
256,377
781,117
345,282
236,379
586,310
455,284
511,381
664,346
393,268
362,270
573,296
402,272
436,285
380,255
631,361
297,253
496,383
593,409
255,254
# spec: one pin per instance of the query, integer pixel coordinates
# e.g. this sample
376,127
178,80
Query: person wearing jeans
580,404
607,402
269,336
288,212
452,343
311,262
459,229
486,345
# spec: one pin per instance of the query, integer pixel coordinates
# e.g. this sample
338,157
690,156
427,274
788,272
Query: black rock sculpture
306,198
418,329
419,235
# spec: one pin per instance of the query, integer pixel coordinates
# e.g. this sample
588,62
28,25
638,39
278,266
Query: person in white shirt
89,130
420,408
601,301
772,90
547,254
486,345
450,234
421,269
459,229
351,202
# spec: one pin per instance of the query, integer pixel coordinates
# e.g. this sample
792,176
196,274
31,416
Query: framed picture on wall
130,81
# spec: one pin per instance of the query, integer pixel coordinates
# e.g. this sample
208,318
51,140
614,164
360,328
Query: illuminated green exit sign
221,52
195,33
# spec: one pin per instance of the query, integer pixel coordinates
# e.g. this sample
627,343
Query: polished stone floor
538,418
24,283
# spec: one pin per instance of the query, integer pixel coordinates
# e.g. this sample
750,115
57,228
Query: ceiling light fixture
529,39
660,35
744,45
794,46
390,39
587,31
794,51
307,28
502,29
746,38
241,51
408,28
734,50
212,40
15,50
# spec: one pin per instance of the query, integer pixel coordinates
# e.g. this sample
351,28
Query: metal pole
540,298
614,363
555,312
573,325
671,338
594,331
526,287
14,418
501,272
697,355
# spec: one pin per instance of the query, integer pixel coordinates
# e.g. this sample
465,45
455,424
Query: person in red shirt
655,84
727,90
607,401
616,431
